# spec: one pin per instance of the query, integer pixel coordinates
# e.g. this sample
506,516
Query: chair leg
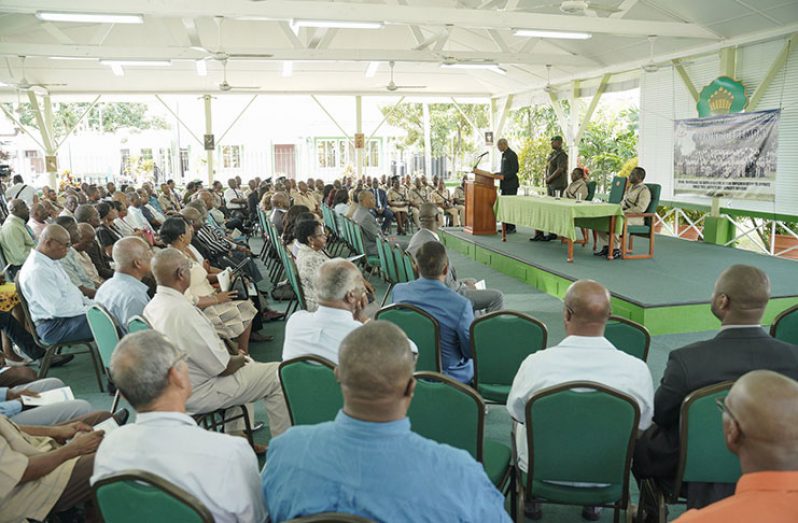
45,364
115,403
387,292
95,358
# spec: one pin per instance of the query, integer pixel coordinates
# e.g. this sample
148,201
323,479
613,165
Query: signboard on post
360,141
51,164
488,137
210,142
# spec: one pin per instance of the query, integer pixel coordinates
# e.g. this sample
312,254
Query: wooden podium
480,195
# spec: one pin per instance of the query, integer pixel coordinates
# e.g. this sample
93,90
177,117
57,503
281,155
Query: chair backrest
390,262
401,269
628,336
293,279
591,190
331,517
105,331
617,189
703,455
411,270
420,327
311,391
382,257
136,324
357,234
581,432
133,496
785,326
447,411
500,341
656,190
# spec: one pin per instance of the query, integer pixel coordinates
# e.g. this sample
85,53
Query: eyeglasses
66,244
721,403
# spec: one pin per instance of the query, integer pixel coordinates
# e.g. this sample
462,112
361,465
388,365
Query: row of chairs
577,432
500,341
279,263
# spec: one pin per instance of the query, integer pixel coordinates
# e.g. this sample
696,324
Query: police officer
556,168
509,185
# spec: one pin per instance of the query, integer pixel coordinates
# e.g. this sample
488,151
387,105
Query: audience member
368,462
21,191
760,424
72,261
218,379
488,299
57,307
13,408
39,215
367,221
124,295
453,312
70,204
310,256
88,214
15,236
739,299
86,242
219,470
584,355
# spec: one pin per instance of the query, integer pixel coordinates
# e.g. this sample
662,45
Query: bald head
375,368
587,308
741,295
170,268
54,242
761,421
132,255
19,209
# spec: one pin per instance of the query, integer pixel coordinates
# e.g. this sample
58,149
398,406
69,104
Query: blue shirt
381,471
454,314
124,296
8,407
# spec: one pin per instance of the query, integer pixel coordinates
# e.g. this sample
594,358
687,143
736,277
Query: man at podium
509,173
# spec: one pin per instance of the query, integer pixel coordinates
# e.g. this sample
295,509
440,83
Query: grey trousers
50,414
490,300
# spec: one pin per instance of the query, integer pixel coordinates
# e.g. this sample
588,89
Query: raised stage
668,294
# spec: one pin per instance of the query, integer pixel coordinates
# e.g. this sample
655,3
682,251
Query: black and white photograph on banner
730,155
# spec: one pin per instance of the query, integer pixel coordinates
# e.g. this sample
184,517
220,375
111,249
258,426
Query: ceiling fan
392,85
548,88
220,54
25,85
225,86
651,67
580,7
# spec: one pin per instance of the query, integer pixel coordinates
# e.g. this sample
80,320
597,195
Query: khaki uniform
307,199
577,190
32,499
417,197
557,160
441,199
397,200
458,201
636,201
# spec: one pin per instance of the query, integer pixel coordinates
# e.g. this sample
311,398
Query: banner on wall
730,156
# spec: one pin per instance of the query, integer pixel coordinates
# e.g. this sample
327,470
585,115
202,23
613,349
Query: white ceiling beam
57,33
391,14
511,5
191,32
414,29
354,55
499,41
624,8
327,38
442,40
101,34
289,33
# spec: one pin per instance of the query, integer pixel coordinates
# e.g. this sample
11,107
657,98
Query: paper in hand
480,285
48,397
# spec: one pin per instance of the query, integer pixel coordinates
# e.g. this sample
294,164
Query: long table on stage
559,216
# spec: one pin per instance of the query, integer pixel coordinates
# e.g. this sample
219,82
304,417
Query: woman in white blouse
310,256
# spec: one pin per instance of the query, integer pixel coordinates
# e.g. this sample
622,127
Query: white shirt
234,194
172,314
580,358
17,191
220,470
50,292
135,218
320,333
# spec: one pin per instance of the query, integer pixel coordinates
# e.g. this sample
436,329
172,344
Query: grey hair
127,250
335,279
199,206
140,365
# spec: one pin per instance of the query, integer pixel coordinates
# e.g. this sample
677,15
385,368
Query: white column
209,130
427,141
359,129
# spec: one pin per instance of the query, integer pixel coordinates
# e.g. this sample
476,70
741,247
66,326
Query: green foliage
451,134
114,116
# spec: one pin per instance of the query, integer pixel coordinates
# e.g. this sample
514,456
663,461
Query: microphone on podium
480,158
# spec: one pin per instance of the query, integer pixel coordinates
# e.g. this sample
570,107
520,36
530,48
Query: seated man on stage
458,199
577,190
635,201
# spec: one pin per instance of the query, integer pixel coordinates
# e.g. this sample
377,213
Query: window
146,154
183,160
231,156
340,152
36,161
325,150
372,154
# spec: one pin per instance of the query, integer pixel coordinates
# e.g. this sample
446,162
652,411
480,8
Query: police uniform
417,196
577,190
557,160
636,201
458,201
441,199
397,201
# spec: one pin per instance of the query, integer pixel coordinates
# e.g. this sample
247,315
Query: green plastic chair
500,342
703,455
388,267
420,327
312,393
331,517
133,496
583,432
371,259
136,324
628,336
293,279
447,411
411,271
399,262
785,326
645,230
617,190
591,190
106,335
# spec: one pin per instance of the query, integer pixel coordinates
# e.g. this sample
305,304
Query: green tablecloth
561,217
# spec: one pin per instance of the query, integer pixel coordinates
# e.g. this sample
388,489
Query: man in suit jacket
742,345
488,299
381,207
